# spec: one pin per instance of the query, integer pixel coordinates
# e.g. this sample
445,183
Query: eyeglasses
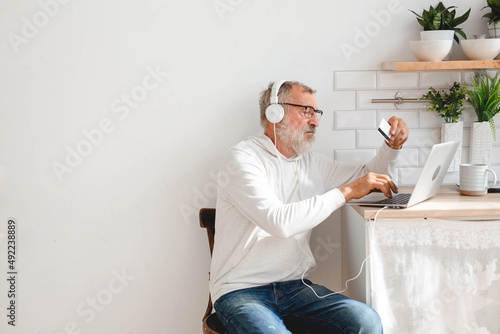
308,110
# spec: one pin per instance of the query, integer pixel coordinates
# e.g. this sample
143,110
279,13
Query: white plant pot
453,132
439,35
481,142
494,30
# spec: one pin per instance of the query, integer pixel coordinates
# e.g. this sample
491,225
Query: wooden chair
211,323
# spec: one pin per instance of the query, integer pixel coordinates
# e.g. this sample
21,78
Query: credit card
385,129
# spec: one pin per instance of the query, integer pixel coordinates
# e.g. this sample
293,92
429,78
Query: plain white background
113,119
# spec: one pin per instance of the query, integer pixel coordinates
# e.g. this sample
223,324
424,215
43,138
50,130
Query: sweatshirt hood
267,144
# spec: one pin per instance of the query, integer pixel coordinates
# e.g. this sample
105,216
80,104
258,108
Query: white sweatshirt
267,206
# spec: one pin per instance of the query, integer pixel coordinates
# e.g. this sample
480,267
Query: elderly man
274,192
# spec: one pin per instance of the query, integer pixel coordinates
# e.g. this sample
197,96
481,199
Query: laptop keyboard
396,199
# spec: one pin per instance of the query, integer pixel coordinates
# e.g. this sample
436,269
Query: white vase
481,141
453,132
494,30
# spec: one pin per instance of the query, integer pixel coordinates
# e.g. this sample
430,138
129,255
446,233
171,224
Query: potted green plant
449,104
483,93
493,17
442,18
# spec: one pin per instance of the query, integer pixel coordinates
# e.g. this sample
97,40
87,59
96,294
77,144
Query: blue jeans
286,307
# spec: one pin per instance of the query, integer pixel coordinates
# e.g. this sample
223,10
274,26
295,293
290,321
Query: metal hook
399,97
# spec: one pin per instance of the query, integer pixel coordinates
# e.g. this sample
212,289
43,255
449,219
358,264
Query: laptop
428,183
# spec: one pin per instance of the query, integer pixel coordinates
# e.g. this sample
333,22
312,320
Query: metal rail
398,100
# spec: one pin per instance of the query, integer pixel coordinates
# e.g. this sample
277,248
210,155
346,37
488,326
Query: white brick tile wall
351,130
354,80
496,119
410,116
424,154
356,119
326,121
496,169
465,155
430,119
325,136
343,100
497,142
409,157
423,137
397,80
369,139
467,75
451,178
495,155
468,115
343,140
355,156
438,79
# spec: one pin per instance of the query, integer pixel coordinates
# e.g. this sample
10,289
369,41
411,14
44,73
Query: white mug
474,179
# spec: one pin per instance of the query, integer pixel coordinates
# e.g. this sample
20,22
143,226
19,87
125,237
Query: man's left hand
399,132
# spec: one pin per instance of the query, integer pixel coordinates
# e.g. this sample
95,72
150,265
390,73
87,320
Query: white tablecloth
436,275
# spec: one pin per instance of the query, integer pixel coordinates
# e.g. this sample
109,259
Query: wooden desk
448,203
448,246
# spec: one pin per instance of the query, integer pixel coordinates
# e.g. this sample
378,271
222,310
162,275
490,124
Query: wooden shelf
441,65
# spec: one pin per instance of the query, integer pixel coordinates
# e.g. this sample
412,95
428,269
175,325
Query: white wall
149,94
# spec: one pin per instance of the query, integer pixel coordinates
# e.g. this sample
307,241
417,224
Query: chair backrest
211,323
207,220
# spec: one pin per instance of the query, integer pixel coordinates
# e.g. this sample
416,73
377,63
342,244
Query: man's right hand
367,184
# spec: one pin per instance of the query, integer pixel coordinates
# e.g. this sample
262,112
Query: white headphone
275,112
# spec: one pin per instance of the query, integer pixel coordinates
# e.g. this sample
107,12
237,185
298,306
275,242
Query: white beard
296,139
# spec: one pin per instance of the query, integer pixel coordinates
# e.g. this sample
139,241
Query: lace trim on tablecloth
437,232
